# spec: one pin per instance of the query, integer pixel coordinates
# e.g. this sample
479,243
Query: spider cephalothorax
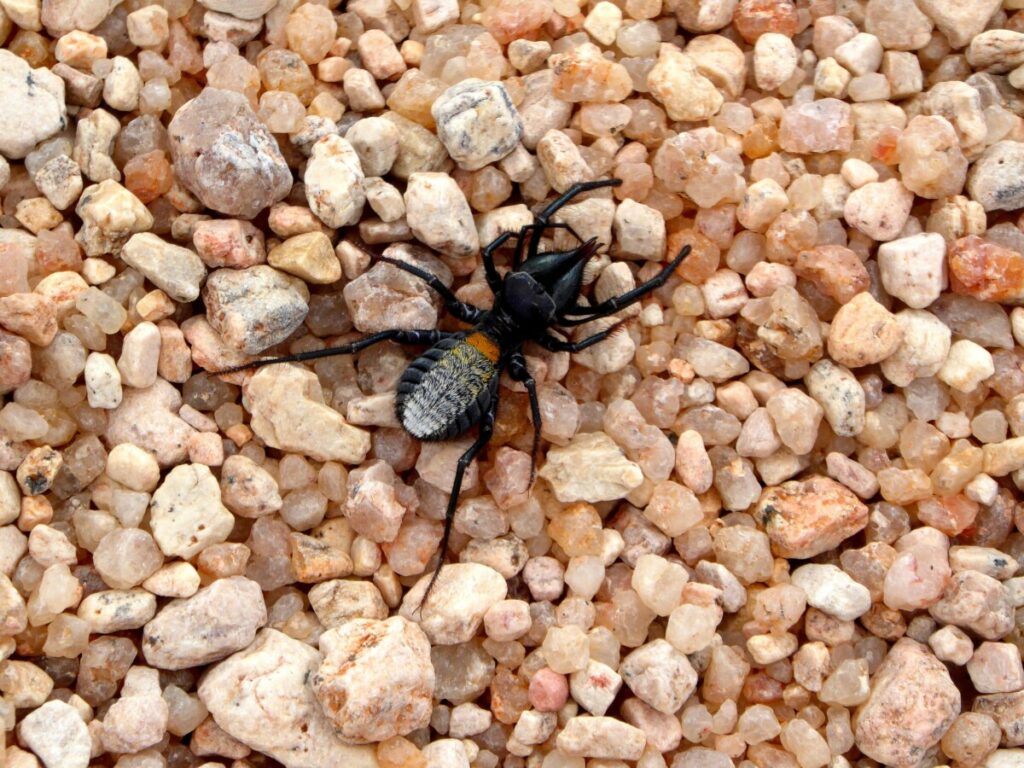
453,385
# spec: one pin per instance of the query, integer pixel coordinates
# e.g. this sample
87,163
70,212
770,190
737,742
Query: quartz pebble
334,182
371,667
261,697
27,91
591,468
477,123
912,703
225,156
187,514
58,735
256,307
208,626
457,604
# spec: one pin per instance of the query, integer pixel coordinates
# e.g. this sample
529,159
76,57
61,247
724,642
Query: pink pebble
548,690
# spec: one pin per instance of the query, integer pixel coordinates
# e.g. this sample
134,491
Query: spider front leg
541,220
427,338
557,345
465,312
486,430
519,372
614,304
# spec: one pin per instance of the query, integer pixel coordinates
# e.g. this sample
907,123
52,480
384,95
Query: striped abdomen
445,390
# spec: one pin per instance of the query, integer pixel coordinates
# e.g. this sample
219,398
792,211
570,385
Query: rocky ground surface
777,522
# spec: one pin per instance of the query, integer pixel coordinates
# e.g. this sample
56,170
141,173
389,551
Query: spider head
537,293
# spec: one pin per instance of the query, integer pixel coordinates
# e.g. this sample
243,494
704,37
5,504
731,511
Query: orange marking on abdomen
485,345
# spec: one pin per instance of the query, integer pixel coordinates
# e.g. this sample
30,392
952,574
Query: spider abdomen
449,387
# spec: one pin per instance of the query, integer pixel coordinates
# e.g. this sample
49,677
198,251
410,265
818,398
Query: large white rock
262,697
334,182
289,413
455,608
33,106
186,514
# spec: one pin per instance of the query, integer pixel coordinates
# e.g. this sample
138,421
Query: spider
454,384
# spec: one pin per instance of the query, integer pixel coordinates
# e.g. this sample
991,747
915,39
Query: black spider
454,384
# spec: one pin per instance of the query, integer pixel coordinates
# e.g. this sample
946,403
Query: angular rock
255,308
457,603
439,215
477,123
334,182
33,106
912,703
148,419
376,680
261,697
58,735
289,413
176,270
591,468
212,624
804,518
225,156
976,602
186,514
997,177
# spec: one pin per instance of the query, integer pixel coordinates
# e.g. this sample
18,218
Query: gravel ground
777,519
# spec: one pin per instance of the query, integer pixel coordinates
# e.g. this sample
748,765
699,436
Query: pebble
38,471
913,269
208,626
976,602
1007,709
334,182
926,343
967,365
439,215
228,243
825,125
186,515
28,91
986,270
56,733
931,163
602,738
256,307
685,93
309,256
138,719
959,23
261,697
477,123
376,680
660,676
225,156
457,604
284,399
338,601
840,395
994,177
996,668
863,332
140,356
775,60
805,518
595,686
102,381
110,215
148,419
590,468
117,610
879,210
60,180
173,580
176,270
832,591
583,74
912,703
247,489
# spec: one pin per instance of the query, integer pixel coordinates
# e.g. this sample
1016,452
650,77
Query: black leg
487,254
486,430
616,303
557,345
402,337
541,220
465,312
519,372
